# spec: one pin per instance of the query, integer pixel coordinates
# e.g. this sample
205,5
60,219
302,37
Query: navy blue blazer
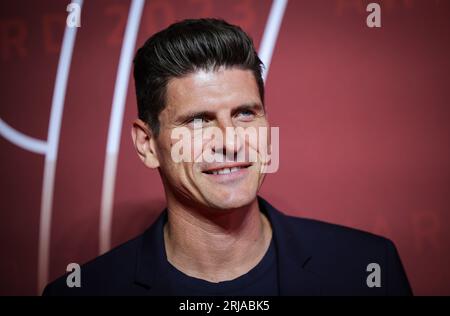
314,258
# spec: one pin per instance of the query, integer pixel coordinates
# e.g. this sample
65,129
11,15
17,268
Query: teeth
226,170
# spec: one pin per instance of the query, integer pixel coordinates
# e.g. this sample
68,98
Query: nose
232,144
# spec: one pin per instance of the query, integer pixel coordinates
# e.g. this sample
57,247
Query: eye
197,120
246,115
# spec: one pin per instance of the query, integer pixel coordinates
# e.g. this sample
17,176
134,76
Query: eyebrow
186,117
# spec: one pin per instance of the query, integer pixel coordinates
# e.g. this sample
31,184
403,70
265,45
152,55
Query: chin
232,200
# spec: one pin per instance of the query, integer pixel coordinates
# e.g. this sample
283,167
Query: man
217,237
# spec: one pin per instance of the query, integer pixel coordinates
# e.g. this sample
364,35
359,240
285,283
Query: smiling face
220,99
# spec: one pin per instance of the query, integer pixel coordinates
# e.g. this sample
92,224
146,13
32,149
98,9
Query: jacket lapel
294,258
151,258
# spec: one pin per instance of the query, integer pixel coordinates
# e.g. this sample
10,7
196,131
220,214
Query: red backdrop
363,116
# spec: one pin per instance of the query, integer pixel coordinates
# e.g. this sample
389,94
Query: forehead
211,90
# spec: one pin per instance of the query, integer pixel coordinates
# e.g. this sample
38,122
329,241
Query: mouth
226,169
227,174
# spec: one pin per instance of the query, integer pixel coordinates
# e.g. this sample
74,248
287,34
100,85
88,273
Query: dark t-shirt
262,280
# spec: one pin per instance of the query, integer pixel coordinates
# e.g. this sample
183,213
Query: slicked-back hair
184,48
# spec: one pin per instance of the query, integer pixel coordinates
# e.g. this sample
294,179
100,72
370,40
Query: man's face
217,99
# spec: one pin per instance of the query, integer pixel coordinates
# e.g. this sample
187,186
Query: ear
145,143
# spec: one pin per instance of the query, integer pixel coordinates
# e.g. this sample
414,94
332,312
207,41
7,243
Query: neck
216,245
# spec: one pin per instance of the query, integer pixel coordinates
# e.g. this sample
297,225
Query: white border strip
59,93
271,33
115,123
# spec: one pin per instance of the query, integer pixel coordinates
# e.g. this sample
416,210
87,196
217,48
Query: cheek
197,145
178,174
257,146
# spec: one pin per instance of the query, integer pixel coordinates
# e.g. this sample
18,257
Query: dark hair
185,47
